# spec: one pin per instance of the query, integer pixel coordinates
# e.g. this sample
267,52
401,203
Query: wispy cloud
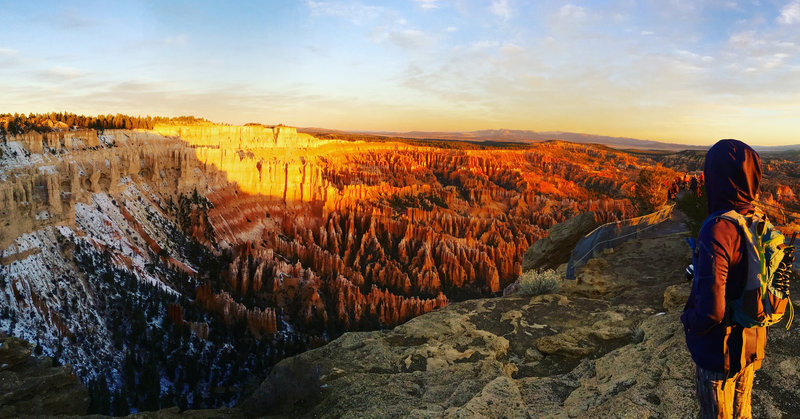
171,41
501,8
732,5
428,4
179,40
572,21
790,14
746,39
73,19
512,49
8,52
409,38
571,11
484,45
356,13
61,73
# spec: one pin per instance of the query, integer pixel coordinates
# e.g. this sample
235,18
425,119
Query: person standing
726,354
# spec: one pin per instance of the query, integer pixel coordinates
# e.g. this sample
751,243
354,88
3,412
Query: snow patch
13,155
23,243
48,170
65,231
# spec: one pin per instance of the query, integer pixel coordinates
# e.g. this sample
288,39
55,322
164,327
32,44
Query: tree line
13,124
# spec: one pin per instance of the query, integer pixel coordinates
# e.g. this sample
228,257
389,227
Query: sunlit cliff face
271,162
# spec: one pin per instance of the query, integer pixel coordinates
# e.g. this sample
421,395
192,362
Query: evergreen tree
100,396
120,406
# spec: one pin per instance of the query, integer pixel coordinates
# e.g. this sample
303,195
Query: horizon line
418,131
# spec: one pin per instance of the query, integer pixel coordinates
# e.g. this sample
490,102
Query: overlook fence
612,235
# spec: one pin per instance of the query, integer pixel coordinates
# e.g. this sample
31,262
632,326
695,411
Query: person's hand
783,274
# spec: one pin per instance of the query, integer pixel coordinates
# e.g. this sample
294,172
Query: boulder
33,386
13,351
675,296
553,250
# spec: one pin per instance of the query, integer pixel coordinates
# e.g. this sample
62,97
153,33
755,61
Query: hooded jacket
732,172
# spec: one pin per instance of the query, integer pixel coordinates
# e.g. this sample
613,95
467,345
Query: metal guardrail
612,235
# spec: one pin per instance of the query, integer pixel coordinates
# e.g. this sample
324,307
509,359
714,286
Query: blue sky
670,70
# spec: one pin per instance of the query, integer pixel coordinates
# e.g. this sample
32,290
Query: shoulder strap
734,216
717,214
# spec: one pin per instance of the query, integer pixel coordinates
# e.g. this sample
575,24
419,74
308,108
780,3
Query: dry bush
537,283
652,186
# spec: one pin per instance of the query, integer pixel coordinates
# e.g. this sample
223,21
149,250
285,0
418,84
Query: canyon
192,257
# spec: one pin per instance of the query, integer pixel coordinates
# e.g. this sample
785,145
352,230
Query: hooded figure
726,354
732,174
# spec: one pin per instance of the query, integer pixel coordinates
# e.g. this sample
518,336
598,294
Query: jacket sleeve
718,246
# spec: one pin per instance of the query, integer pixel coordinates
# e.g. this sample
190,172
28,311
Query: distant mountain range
526,136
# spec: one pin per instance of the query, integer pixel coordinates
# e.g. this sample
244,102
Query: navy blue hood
732,173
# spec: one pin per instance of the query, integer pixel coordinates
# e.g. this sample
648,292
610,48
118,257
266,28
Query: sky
667,70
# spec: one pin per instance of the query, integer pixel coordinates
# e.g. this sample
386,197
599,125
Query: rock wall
238,137
42,184
58,141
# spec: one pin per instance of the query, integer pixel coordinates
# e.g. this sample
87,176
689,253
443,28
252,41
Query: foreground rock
33,386
547,355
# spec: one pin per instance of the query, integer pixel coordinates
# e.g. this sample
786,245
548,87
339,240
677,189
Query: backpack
760,304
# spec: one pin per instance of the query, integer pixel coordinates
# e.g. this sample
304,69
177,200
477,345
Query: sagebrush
537,283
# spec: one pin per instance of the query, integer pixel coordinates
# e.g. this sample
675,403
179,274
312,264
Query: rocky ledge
545,355
609,344
32,385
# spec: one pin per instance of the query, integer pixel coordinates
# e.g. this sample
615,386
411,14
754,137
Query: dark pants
732,401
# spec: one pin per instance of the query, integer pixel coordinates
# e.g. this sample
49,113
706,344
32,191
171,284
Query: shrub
637,333
537,283
696,210
652,185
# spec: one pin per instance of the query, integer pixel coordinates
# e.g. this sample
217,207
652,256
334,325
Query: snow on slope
14,156
51,302
58,284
